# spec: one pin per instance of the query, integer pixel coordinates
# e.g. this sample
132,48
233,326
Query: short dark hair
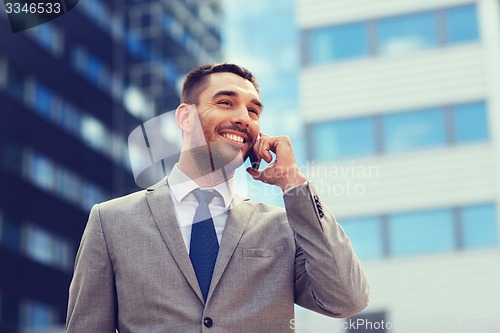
196,80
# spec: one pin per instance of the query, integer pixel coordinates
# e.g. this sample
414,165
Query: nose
241,117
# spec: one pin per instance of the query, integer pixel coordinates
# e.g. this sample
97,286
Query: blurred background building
392,107
263,36
401,106
71,91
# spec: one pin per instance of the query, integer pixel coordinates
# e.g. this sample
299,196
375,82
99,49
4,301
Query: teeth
233,137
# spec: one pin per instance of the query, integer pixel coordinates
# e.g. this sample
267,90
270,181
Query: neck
203,174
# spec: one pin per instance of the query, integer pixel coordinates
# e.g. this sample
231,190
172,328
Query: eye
255,111
225,102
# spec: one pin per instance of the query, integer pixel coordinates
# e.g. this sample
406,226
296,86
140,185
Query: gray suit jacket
133,273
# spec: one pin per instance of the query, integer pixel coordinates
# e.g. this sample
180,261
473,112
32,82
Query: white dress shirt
185,203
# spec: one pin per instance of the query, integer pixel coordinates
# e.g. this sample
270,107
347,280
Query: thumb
254,173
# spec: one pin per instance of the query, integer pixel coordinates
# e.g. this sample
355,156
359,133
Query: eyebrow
234,93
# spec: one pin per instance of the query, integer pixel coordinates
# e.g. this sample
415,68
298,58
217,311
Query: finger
260,175
265,149
256,174
255,156
259,150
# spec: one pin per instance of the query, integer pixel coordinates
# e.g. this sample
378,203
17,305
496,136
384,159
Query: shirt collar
181,185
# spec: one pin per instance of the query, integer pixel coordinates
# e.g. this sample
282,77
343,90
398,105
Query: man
186,255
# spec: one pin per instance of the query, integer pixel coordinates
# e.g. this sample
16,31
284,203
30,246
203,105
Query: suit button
208,322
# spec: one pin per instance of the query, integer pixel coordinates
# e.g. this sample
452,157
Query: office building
71,91
402,109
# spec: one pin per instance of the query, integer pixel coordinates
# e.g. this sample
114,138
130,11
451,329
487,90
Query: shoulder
130,204
128,200
263,208
262,213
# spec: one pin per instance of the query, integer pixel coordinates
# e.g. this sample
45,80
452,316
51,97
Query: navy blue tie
204,246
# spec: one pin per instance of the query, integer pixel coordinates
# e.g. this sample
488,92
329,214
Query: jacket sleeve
92,296
329,278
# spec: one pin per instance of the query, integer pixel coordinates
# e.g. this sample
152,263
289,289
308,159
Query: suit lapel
162,208
237,221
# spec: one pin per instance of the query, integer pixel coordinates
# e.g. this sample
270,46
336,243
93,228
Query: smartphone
254,161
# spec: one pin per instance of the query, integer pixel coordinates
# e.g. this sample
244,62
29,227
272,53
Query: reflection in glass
338,42
43,100
479,226
407,33
38,315
366,236
343,138
461,24
421,232
470,122
413,130
41,171
38,244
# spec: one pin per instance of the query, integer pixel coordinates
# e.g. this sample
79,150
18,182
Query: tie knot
204,196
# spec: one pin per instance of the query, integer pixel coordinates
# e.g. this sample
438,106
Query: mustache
237,129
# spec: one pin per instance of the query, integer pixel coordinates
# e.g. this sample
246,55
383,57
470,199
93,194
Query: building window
392,35
94,133
91,195
99,13
366,235
339,42
63,254
43,100
60,112
461,24
329,139
470,122
399,132
41,171
68,185
421,232
38,244
479,226
91,67
47,248
69,118
11,233
51,177
49,37
38,315
407,33
16,83
12,157
413,130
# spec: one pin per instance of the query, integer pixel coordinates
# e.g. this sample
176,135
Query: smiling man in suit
190,255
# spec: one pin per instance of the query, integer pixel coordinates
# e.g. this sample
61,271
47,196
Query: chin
225,155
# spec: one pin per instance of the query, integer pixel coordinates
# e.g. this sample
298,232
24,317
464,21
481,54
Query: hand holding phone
282,169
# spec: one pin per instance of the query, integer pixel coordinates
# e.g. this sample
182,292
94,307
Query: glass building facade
71,91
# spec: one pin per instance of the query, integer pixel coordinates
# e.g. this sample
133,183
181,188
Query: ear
182,117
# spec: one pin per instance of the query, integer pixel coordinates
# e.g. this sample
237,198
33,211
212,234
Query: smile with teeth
233,137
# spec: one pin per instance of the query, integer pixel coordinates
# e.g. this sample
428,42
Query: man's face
229,109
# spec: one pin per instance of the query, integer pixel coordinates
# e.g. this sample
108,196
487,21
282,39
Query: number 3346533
33,8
